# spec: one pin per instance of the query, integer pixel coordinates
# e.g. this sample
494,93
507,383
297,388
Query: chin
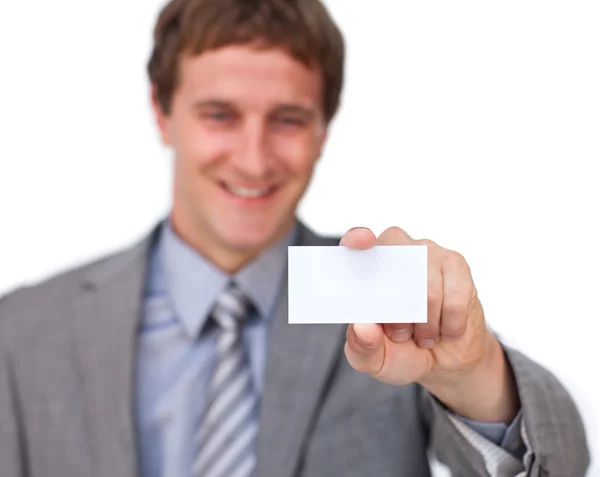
251,239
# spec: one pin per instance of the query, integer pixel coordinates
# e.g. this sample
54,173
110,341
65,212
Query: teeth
243,192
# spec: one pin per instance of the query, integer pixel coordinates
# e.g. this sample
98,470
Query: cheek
299,154
197,148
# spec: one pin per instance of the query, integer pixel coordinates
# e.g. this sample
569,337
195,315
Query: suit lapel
105,321
301,359
105,326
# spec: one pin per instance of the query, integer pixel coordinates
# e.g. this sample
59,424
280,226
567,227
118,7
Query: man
174,357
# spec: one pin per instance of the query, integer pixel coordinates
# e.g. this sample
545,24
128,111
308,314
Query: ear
160,116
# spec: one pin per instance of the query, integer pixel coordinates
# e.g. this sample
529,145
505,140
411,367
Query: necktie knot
231,308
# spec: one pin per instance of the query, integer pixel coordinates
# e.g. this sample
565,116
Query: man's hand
454,355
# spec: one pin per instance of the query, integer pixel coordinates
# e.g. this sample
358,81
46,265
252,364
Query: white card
385,284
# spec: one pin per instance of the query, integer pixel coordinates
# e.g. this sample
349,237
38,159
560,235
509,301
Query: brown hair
303,27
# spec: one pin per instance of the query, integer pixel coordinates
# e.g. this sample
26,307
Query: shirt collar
192,283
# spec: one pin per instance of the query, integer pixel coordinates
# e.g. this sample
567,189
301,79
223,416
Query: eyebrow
307,113
211,103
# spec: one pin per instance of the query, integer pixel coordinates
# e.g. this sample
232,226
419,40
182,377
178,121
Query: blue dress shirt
175,359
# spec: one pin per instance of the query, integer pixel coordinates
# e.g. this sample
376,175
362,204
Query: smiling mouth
248,192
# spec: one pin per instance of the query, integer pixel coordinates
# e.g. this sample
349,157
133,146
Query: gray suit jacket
67,354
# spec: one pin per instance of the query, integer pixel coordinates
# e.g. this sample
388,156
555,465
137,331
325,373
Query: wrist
487,393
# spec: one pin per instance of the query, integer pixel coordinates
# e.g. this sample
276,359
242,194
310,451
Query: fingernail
400,336
361,339
426,343
357,228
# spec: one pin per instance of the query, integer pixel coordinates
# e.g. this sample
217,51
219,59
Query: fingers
364,347
450,291
394,236
458,292
396,332
358,238
426,335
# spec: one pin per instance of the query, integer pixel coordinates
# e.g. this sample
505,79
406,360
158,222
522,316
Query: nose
252,157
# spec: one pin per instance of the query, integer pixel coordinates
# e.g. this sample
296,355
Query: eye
290,121
218,116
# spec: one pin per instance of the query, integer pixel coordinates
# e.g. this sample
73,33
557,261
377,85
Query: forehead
250,76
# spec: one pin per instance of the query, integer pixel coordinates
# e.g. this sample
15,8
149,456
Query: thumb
364,347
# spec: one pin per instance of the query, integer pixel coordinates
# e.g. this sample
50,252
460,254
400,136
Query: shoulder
307,237
30,310
48,292
330,241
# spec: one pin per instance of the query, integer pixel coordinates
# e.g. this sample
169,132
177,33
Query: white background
474,124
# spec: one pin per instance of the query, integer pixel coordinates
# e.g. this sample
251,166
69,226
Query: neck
229,260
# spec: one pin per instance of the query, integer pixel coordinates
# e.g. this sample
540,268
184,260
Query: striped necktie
227,433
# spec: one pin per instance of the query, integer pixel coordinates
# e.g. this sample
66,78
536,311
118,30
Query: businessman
173,358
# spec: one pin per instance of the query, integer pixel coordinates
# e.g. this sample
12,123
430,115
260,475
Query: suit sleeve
550,426
10,451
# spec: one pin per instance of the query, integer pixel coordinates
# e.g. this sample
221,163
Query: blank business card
385,284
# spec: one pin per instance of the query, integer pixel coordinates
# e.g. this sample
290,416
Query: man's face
247,127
